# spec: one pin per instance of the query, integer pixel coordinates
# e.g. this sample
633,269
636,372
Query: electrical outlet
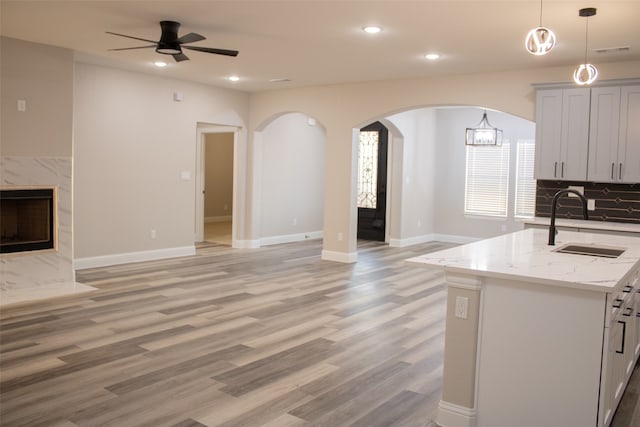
153,234
591,204
462,307
340,236
578,188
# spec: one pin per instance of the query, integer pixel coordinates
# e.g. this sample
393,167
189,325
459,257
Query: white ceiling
321,42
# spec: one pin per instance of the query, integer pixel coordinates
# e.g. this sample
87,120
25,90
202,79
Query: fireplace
27,219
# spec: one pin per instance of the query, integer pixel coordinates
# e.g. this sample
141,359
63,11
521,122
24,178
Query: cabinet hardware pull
617,301
555,169
562,170
613,165
620,172
624,333
630,310
627,289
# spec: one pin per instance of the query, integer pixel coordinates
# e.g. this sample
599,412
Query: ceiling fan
171,44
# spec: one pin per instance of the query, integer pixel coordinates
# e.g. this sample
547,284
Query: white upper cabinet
562,133
614,137
588,134
629,144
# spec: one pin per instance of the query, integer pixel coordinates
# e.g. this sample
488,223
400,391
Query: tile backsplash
614,202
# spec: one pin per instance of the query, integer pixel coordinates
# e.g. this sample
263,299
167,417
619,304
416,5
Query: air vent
618,49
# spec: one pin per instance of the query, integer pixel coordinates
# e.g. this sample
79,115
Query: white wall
450,219
417,178
132,143
292,167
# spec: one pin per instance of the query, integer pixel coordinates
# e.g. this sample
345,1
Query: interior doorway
215,190
372,182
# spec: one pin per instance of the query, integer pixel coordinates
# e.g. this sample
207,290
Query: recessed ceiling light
233,78
372,29
432,56
160,64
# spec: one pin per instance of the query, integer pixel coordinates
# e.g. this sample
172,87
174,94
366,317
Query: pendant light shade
483,134
540,40
586,73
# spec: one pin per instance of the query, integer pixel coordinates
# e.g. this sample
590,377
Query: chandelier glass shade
483,134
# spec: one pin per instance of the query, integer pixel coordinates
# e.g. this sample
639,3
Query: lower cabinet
542,347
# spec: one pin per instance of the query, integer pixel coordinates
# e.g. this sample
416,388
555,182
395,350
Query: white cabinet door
575,134
629,139
562,132
603,134
548,132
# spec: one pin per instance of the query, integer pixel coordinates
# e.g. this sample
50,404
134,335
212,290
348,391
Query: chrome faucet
552,226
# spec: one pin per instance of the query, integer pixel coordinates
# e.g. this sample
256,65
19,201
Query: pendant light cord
586,41
540,13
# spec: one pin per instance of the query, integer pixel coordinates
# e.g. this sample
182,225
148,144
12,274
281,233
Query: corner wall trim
129,257
452,415
346,257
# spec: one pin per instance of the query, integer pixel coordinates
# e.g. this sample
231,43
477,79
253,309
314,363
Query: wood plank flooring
269,337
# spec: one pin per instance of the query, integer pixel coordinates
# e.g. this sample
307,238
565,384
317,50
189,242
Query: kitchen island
536,337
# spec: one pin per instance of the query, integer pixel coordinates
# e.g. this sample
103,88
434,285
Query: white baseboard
126,258
288,238
434,237
452,415
451,238
339,256
225,218
401,243
245,244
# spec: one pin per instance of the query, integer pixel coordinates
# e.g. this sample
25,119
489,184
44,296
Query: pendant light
483,133
540,40
586,73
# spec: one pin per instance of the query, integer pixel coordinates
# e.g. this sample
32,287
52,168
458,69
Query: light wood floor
218,232
268,337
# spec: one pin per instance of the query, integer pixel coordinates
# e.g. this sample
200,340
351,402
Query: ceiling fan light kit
171,44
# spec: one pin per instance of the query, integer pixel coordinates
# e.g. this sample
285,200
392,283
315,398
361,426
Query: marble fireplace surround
41,274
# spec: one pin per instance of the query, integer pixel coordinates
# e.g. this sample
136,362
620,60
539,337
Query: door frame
202,130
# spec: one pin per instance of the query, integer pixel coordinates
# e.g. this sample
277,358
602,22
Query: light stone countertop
525,256
580,223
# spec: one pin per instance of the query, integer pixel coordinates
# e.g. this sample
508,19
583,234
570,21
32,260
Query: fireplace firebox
27,220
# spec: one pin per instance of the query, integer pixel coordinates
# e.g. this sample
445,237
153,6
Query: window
487,181
525,198
487,184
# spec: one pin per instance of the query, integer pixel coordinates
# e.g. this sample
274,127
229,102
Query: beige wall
135,157
341,108
43,77
218,198
35,150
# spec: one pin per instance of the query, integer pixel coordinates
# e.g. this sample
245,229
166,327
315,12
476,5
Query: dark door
372,182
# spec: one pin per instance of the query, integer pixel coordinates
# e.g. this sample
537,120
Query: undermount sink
591,250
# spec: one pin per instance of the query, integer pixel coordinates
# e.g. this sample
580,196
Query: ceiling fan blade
191,38
213,50
131,37
137,47
180,57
